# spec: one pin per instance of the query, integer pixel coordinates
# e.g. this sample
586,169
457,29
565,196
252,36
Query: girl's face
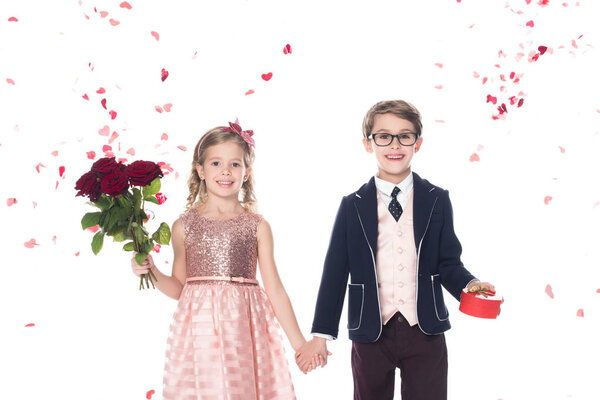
223,170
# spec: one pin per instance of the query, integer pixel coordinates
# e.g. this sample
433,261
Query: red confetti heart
164,136
10,81
439,65
549,291
158,109
530,23
29,325
13,19
544,3
113,114
61,171
125,5
155,34
474,157
31,243
113,137
161,198
34,204
528,1
103,102
131,151
164,74
93,228
85,96
597,290
249,92
10,201
287,49
521,101
156,248
106,148
149,394
547,200
91,155
535,57
542,49
103,14
114,22
105,131
476,74
267,77
491,99
182,148
484,80
167,107
562,149
54,153
580,312
77,254
37,167
101,91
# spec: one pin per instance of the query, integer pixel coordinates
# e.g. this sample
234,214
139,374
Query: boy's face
393,160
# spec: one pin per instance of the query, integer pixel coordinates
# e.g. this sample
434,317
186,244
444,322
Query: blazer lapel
423,200
366,204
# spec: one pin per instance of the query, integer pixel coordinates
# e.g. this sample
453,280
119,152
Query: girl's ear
247,174
200,171
367,145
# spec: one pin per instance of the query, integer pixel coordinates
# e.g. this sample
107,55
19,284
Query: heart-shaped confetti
29,325
103,102
131,151
164,136
542,49
167,107
114,22
91,154
580,313
149,394
549,291
125,5
267,77
103,14
530,23
182,148
287,49
164,74
105,131
31,243
101,91
158,109
249,92
113,114
155,35
61,171
13,19
547,200
10,201
10,81
85,97
37,167
474,157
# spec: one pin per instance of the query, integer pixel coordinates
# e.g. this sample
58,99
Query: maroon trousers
422,359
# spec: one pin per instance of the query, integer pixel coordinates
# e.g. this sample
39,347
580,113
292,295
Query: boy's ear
367,145
418,144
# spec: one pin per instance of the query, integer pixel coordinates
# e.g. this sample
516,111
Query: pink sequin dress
224,341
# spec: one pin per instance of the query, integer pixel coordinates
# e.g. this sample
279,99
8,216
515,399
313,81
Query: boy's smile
393,160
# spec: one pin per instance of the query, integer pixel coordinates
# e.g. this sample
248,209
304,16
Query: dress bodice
221,247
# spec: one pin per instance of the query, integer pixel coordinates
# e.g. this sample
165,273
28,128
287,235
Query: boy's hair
197,187
400,108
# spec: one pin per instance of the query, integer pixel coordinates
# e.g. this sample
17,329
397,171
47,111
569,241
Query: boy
395,238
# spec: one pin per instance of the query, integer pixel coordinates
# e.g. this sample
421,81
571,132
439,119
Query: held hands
312,354
144,268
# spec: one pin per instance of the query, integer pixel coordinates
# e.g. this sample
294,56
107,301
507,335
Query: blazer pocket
441,311
356,300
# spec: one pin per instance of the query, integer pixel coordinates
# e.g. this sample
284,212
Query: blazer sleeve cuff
323,335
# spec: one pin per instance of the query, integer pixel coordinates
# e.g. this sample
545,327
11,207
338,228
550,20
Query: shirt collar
386,187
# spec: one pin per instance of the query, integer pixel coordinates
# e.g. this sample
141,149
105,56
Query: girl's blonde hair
197,187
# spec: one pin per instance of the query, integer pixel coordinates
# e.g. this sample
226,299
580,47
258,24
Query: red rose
141,173
89,186
104,166
115,183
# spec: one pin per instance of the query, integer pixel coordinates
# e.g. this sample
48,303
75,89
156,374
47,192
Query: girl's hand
144,268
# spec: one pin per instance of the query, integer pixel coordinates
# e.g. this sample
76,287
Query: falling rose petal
161,198
513,100
491,99
167,107
521,101
158,109
93,228
474,157
106,148
10,201
164,74
249,92
165,166
125,5
131,151
542,49
149,394
484,80
105,131
34,204
13,19
37,167
544,3
547,200
113,114
176,175
155,34
103,102
439,87
103,14
114,22
182,148
55,153
54,239
439,65
31,243
580,312
56,185
549,291
77,254
91,155
10,81
101,91
530,23
109,154
512,75
113,137
29,325
267,77
85,97
476,74
287,49
528,1
562,149
480,147
164,136
156,248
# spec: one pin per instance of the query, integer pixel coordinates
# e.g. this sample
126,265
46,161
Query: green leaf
137,198
104,202
123,202
147,246
97,242
151,199
129,246
152,188
119,235
90,219
139,234
140,258
162,234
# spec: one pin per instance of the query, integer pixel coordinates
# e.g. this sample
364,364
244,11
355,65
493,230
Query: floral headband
235,127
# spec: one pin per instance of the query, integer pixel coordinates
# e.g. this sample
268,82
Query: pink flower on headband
246,135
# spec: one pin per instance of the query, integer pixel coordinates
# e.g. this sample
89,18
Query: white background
97,337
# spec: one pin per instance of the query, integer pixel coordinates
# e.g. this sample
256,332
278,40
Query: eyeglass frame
397,136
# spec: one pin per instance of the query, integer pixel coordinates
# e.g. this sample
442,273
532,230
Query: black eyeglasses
385,139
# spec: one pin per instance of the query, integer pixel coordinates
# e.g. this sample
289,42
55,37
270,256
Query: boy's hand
312,354
477,286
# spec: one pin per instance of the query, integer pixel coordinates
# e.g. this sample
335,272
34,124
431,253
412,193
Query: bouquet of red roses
111,187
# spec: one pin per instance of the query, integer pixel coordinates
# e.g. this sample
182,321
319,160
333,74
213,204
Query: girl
224,341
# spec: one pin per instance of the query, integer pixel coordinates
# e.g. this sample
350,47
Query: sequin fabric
220,247
224,340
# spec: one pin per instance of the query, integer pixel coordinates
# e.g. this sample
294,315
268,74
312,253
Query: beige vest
396,263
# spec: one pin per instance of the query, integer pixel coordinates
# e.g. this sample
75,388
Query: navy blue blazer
353,251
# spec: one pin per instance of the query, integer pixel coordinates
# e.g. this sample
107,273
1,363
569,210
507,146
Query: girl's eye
215,163
236,164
